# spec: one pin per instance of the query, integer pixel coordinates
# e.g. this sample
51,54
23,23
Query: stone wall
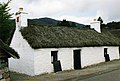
4,72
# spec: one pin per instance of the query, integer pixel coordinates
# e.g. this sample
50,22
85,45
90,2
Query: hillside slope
49,22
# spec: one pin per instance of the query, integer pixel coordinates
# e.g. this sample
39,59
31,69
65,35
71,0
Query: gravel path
71,75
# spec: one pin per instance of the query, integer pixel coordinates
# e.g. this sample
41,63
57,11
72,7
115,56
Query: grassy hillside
48,22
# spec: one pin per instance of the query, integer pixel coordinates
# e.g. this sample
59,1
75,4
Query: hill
49,22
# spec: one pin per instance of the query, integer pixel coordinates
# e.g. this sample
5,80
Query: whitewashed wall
26,62
113,52
24,22
65,55
92,55
96,26
38,61
89,56
43,59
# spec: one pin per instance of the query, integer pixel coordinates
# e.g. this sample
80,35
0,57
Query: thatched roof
8,50
50,37
115,32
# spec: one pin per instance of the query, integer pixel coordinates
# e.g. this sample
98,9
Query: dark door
77,59
57,66
56,63
107,57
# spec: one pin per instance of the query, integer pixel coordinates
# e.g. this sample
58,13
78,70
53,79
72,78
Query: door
56,63
77,59
106,55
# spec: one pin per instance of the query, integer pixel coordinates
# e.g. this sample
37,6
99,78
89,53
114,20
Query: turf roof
8,50
58,37
115,32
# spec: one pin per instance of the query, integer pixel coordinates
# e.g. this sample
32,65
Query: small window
17,19
105,51
54,56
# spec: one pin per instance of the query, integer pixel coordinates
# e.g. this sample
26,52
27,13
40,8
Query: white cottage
52,49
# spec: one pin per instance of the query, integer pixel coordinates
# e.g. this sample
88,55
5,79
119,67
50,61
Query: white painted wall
89,56
18,24
38,61
65,55
96,26
24,22
113,52
26,62
43,59
92,55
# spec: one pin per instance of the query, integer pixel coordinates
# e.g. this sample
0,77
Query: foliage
110,26
51,22
73,24
100,19
66,23
87,27
6,26
42,22
113,25
8,50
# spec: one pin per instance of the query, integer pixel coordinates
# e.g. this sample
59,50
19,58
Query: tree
100,19
64,23
113,25
5,22
73,24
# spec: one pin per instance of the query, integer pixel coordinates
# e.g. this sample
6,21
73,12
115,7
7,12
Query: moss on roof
57,37
116,33
8,50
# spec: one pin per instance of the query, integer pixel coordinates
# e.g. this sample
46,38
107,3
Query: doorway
77,59
54,60
106,55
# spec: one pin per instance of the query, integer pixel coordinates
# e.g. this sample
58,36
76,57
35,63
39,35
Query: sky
81,11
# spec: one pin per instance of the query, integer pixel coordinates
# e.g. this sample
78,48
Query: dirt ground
70,75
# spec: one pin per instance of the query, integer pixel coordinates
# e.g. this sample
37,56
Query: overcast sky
81,11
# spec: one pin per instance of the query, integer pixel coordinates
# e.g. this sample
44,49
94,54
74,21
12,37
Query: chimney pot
20,9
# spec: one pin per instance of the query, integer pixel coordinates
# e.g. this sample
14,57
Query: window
105,51
54,56
17,19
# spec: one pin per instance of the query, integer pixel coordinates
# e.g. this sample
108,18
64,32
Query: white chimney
95,25
21,19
